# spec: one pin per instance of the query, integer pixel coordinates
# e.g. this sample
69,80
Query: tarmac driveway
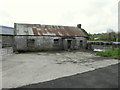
28,68
106,77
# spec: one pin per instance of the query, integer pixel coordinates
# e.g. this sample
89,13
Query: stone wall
6,51
41,43
7,41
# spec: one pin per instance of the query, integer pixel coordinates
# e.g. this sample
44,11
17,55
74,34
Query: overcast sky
96,16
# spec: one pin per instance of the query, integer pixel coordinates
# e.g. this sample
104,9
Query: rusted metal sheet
37,29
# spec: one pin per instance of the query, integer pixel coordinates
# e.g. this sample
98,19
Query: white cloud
94,15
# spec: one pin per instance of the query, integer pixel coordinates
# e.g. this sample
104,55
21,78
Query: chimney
79,26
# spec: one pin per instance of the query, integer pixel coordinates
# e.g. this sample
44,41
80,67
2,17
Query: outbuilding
6,36
36,37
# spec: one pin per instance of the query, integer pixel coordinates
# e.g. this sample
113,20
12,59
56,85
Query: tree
110,35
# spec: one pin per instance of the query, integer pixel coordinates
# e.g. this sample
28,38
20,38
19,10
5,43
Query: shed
6,36
37,37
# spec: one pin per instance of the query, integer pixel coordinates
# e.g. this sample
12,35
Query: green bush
114,54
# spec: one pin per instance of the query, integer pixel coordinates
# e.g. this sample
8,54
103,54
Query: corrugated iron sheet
5,30
37,29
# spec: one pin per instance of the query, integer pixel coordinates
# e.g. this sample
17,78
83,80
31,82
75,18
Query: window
30,43
56,41
81,41
31,40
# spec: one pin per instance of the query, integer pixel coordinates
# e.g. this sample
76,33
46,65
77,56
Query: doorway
69,44
81,43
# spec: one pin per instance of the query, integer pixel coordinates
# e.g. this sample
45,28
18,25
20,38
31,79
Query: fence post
113,47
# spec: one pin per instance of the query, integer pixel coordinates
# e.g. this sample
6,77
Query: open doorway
69,43
81,43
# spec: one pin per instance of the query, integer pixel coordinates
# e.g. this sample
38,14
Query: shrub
115,54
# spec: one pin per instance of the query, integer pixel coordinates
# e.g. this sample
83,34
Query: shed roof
5,30
52,30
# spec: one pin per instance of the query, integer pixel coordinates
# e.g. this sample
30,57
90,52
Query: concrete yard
28,68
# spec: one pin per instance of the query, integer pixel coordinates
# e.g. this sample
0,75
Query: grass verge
113,53
100,41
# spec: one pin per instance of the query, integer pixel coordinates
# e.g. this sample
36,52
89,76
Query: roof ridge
6,26
45,25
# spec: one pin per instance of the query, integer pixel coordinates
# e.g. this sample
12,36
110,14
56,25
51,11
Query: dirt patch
76,58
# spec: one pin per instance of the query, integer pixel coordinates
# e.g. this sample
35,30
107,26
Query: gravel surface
27,68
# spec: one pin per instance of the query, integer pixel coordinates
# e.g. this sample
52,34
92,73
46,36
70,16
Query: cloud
94,15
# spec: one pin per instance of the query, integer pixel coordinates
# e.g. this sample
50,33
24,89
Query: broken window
56,42
30,42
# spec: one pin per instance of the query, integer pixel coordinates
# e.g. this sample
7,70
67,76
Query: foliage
109,36
114,54
85,32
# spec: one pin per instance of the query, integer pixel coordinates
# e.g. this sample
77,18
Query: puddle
99,50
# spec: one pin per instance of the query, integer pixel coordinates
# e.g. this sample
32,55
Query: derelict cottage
36,37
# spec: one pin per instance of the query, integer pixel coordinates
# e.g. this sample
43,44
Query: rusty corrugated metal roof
37,29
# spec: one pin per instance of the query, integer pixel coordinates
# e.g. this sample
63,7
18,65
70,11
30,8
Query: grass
96,41
110,47
114,54
99,41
